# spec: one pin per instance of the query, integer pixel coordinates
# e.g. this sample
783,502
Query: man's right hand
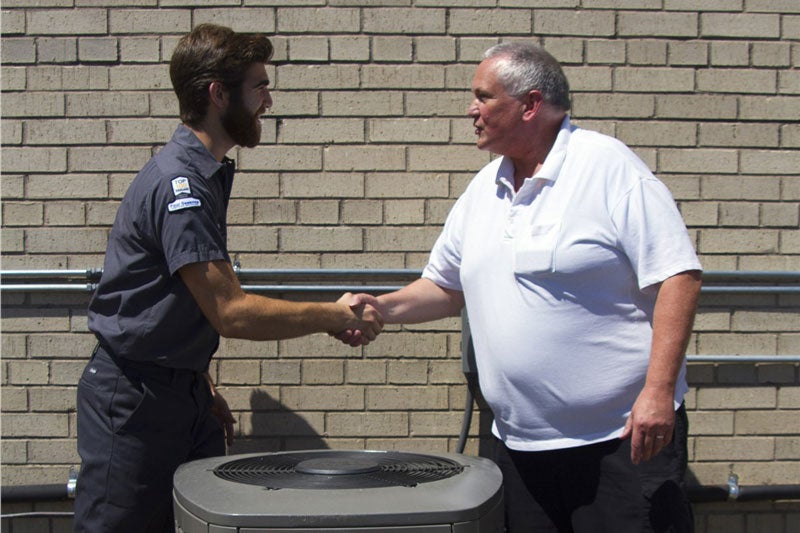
367,321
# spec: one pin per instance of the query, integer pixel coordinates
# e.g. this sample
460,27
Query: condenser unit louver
339,490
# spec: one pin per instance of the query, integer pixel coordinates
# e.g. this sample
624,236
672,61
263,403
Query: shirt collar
201,159
552,163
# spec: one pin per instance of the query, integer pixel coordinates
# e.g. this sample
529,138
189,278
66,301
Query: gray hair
527,66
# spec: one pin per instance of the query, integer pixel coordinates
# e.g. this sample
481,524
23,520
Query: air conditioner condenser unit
339,490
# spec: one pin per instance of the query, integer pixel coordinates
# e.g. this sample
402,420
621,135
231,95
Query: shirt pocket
535,249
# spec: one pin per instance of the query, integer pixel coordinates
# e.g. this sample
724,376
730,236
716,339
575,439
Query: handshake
365,321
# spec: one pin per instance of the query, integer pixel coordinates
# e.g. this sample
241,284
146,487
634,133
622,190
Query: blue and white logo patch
183,203
180,185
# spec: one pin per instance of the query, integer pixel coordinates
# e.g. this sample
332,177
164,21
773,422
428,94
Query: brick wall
364,152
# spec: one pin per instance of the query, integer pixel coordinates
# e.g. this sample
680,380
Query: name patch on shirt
183,203
180,185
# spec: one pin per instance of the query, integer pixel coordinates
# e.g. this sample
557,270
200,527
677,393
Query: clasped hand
366,322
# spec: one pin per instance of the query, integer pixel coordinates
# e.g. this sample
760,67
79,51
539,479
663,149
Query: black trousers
137,423
596,488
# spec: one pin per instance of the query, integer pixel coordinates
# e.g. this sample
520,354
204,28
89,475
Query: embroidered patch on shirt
180,185
183,203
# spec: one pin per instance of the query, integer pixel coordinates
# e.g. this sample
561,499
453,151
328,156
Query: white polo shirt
557,279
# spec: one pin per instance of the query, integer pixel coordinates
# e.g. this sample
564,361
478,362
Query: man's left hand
650,425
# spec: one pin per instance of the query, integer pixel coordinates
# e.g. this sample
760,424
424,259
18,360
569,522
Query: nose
267,99
472,109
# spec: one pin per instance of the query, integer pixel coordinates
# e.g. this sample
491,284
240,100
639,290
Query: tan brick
115,104
275,211
349,48
737,344
769,161
252,239
65,132
255,185
362,212
304,20
319,212
14,399
134,21
402,77
737,398
688,160
139,50
35,425
490,21
373,103
435,49
711,422
407,345
276,158
32,105
767,422
68,186
307,48
57,49
400,212
788,82
320,185
14,452
654,79
409,130
322,131
270,424
446,158
739,25
688,53
400,238
738,134
405,20
67,21
23,213
11,132
617,106
13,241
307,239
53,451
365,372
760,321
730,54
238,372
657,133
66,240
107,158
30,159
696,106
740,188
12,78
737,81
18,51
435,424
323,372
738,214
408,372
591,23
139,78
364,158
255,19
373,424
443,104
650,24
605,51
773,215
394,49
12,186
60,346
323,398
406,398
771,55
69,78
53,398
734,448
13,22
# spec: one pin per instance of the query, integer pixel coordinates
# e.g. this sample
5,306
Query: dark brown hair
212,53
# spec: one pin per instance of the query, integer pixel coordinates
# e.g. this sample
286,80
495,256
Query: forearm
673,318
259,318
420,301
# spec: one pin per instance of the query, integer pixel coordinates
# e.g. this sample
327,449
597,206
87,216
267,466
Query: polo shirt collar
552,163
203,161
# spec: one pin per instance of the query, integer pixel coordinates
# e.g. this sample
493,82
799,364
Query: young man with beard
146,402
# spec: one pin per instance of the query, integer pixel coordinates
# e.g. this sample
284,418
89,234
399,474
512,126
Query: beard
241,125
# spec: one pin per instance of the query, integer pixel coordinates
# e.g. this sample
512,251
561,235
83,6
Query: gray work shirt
172,215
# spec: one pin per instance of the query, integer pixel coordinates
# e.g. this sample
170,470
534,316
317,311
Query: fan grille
338,470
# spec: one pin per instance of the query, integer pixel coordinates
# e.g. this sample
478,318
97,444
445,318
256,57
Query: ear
532,102
218,95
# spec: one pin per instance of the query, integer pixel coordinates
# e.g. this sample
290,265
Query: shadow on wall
275,428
